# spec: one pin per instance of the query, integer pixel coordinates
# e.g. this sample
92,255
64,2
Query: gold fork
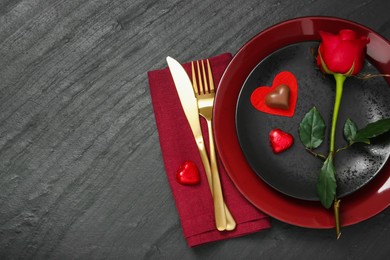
205,97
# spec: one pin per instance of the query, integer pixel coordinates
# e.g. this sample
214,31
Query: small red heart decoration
259,95
188,174
280,140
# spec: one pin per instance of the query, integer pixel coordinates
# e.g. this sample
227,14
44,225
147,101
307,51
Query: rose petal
342,58
347,34
329,41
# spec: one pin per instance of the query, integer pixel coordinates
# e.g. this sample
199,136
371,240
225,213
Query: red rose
342,53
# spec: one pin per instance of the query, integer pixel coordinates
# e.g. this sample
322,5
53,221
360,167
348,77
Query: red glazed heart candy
260,94
188,174
280,140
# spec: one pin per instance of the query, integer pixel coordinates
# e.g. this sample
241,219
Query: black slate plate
294,172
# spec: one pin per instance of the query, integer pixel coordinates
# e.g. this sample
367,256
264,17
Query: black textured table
81,170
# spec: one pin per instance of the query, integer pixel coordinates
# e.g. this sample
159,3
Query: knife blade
186,95
190,106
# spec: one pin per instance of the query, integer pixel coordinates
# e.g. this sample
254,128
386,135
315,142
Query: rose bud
342,53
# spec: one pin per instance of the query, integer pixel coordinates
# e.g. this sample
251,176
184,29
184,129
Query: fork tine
194,84
206,87
210,74
199,78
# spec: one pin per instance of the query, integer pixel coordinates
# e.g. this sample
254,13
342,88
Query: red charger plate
361,205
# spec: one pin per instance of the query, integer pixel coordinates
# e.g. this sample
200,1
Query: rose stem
339,93
336,206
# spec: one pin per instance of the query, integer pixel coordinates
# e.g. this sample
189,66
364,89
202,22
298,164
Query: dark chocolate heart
279,97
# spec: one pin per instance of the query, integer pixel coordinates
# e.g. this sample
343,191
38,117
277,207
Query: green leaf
326,183
350,130
372,130
312,129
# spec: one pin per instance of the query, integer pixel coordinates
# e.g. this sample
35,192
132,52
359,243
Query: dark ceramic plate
295,171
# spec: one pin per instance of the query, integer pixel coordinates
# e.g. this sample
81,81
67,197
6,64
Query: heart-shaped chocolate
187,174
280,140
258,96
279,97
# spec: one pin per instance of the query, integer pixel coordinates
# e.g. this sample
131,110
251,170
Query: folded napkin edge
241,230
249,216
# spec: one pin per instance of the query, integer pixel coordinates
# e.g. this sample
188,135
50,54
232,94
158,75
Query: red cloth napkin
194,203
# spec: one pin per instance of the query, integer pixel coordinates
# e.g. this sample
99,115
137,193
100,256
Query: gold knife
189,103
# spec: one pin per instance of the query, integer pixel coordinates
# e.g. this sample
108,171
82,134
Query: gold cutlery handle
219,211
217,188
230,223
